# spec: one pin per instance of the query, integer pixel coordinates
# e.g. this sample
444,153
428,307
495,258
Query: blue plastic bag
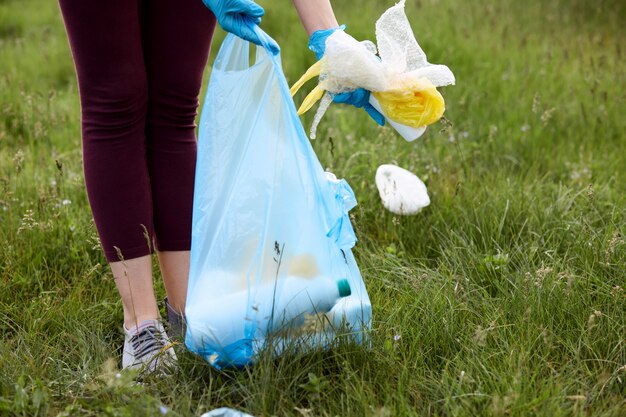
271,265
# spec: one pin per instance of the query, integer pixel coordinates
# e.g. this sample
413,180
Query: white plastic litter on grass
225,412
401,191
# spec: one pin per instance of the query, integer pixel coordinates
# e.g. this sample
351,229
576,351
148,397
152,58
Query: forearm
315,14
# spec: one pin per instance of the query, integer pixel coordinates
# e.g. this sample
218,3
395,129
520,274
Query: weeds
504,297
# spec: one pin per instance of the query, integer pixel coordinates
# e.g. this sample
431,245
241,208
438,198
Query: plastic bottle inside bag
301,297
282,307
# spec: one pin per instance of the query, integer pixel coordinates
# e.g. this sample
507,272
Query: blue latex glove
317,42
359,98
232,16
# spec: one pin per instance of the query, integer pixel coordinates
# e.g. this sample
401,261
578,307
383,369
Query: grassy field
507,296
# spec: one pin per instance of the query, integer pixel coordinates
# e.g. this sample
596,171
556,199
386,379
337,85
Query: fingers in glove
375,114
345,98
245,32
244,7
252,9
360,98
357,98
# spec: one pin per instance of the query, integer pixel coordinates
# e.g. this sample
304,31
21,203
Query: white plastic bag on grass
401,191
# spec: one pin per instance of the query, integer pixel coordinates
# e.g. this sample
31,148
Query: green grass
507,292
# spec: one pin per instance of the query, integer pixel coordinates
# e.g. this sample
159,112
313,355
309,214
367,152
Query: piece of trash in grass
225,412
401,191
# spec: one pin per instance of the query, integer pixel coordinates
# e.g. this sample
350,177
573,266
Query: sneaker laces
146,342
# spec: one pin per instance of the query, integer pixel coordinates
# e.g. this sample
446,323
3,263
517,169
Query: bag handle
267,41
233,54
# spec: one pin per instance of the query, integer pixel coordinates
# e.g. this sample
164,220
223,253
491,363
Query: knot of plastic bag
340,230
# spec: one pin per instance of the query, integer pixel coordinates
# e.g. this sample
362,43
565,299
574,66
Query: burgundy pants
139,65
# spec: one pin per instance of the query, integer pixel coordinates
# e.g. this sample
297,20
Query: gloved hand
358,98
232,15
317,42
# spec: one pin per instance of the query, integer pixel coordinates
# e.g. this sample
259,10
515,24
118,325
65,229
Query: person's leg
174,267
177,36
105,39
134,283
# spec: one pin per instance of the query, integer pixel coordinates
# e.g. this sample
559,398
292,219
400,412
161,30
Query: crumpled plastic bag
271,260
401,79
225,412
401,191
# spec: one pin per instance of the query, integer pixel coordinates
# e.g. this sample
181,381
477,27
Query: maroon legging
139,65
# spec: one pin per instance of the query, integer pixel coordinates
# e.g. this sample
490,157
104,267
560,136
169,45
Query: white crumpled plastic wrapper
401,191
225,412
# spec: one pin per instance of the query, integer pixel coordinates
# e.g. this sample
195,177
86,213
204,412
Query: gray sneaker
147,348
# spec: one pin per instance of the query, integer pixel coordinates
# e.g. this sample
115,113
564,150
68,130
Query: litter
403,83
401,191
225,412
